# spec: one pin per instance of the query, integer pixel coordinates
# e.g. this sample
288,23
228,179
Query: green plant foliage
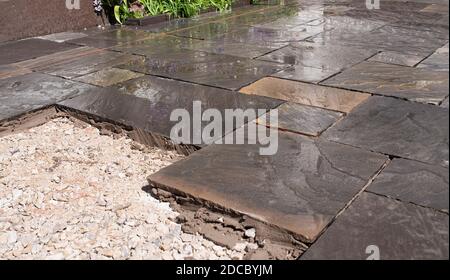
125,9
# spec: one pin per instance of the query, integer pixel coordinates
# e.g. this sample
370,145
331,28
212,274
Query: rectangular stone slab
305,74
299,189
209,30
63,36
222,71
157,45
412,181
269,37
231,48
444,103
21,94
148,102
87,64
11,70
304,119
108,77
390,57
109,38
401,231
314,95
420,85
30,48
328,57
438,61
395,127
387,38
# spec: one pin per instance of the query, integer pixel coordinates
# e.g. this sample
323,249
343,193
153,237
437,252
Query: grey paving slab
270,37
300,188
411,181
305,74
395,127
438,61
304,119
327,57
308,94
444,103
10,70
401,231
231,48
209,30
86,64
223,71
108,77
390,57
16,51
28,92
110,38
387,38
157,45
148,102
415,84
63,36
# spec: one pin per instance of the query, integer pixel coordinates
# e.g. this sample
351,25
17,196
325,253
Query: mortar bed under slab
68,192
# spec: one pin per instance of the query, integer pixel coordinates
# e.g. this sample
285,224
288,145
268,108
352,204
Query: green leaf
117,14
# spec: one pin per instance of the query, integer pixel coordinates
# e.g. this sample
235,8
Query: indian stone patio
362,95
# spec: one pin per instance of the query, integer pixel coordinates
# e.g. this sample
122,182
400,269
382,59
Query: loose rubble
67,192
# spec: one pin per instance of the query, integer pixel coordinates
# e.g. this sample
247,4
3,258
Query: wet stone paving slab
396,127
299,189
21,94
205,68
414,84
328,57
305,119
27,49
412,181
308,94
108,77
398,230
154,99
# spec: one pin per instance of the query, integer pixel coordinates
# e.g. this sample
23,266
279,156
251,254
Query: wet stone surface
231,48
270,37
158,45
223,71
299,189
399,230
411,181
387,38
147,103
397,58
304,74
108,77
438,61
110,38
414,84
21,94
87,64
305,119
27,49
444,103
308,94
396,127
63,36
209,31
329,57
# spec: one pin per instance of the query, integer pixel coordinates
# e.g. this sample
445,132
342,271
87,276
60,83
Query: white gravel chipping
67,192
